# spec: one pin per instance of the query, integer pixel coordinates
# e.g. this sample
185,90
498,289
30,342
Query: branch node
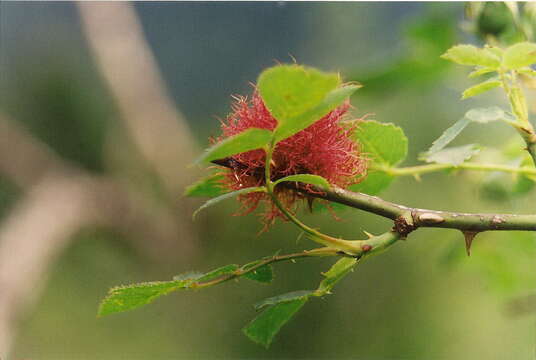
403,227
496,221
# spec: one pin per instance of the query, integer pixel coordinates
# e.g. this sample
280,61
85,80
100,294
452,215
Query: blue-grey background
414,302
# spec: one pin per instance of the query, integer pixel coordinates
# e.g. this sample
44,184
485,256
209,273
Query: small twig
324,251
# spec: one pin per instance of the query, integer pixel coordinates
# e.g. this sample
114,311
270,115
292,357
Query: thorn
469,237
370,236
417,177
293,261
298,238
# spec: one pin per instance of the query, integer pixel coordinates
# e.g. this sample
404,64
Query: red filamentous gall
325,148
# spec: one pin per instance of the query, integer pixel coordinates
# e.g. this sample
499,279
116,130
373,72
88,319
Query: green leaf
189,276
480,71
374,183
385,144
485,115
227,196
471,55
453,156
519,55
295,295
497,51
208,186
336,273
448,135
306,178
214,274
457,155
299,122
527,71
129,297
291,90
247,140
264,274
266,325
481,88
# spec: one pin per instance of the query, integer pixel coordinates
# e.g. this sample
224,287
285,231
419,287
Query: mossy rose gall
325,148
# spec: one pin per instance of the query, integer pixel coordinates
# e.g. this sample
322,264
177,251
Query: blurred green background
422,300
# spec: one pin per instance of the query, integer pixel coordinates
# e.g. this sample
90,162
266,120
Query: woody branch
414,217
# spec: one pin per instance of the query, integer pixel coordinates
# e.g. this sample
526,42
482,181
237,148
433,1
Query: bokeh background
103,107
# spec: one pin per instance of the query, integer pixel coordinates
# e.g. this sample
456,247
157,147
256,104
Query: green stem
275,199
531,148
381,242
429,168
315,235
428,218
376,245
518,105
